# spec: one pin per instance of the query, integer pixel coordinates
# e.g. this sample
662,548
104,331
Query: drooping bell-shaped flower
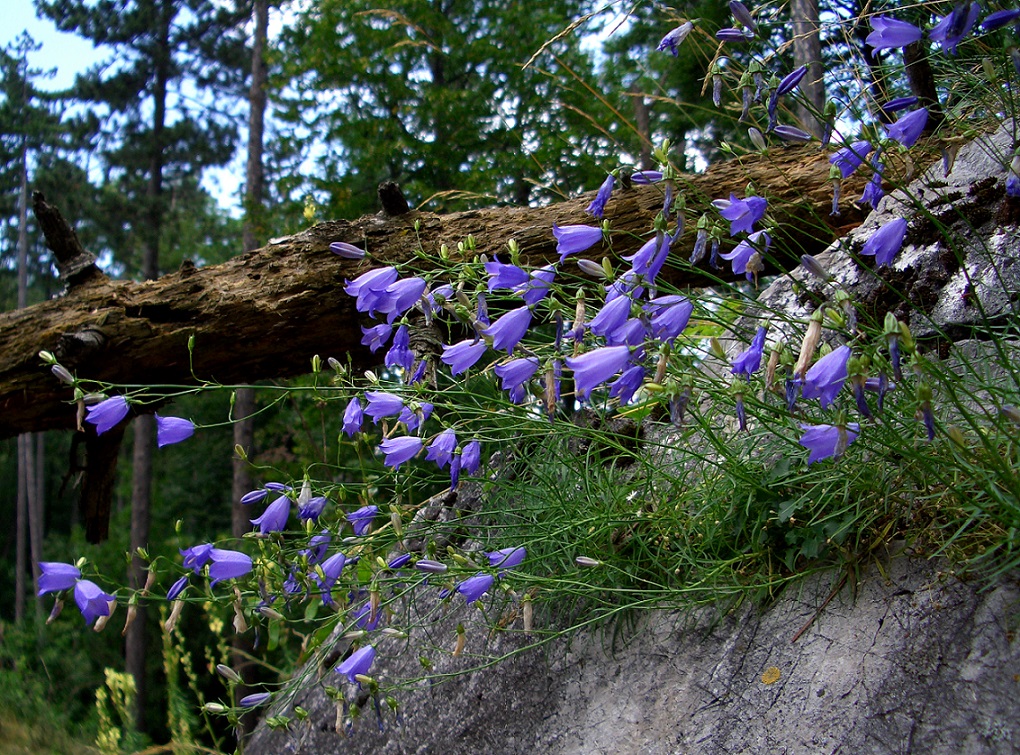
745,257
399,450
361,519
669,316
571,239
507,558
441,449
509,329
107,414
475,587
353,417
1000,18
598,205
515,374
463,355
358,663
92,601
504,276
170,430
850,158
596,367
382,404
827,376
748,362
828,441
908,129
956,25
228,564
885,243
274,518
675,38
742,213
400,355
376,336
56,576
887,33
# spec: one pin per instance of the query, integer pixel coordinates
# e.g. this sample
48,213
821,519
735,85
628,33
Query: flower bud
228,673
586,561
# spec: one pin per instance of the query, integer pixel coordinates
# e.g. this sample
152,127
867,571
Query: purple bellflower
274,518
537,287
888,33
598,205
825,441
1013,177
748,362
399,354
376,336
827,376
107,414
675,38
907,130
999,18
55,576
509,329
571,239
645,177
850,158
227,564
475,587
400,296
463,355
611,317
399,450
505,276
899,103
91,600
669,316
254,700
312,508
649,259
412,418
792,134
873,191
357,664
515,374
382,404
742,213
254,496
347,251
170,430
507,558
596,367
197,556
885,243
353,417
177,588
361,519
625,386
368,288
744,258
441,449
471,457
956,25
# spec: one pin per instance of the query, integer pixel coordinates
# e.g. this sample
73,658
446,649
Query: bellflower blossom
999,18
907,130
899,103
825,441
399,354
537,287
744,258
873,191
177,588
503,276
850,158
571,239
888,33
956,25
55,576
400,296
399,450
274,518
742,213
361,519
413,417
471,457
1013,177
669,316
596,367
675,38
312,509
507,558
353,417
645,177
92,601
347,251
376,336
827,376
382,404
625,386
749,361
611,317
441,449
509,329
885,243
463,355
197,556
357,664
227,564
515,374
649,259
475,587
369,288
170,430
107,414
598,205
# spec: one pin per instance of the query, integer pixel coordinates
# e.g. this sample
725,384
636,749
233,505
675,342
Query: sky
66,53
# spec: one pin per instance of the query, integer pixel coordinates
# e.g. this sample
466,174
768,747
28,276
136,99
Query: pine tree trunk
244,404
807,51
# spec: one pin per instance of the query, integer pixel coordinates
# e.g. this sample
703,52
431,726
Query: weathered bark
807,51
263,314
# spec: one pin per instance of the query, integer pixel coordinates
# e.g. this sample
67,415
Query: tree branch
264,314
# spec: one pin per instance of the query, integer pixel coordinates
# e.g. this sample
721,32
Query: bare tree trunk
642,120
244,403
807,51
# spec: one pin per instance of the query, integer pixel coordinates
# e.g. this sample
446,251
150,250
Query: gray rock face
917,662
